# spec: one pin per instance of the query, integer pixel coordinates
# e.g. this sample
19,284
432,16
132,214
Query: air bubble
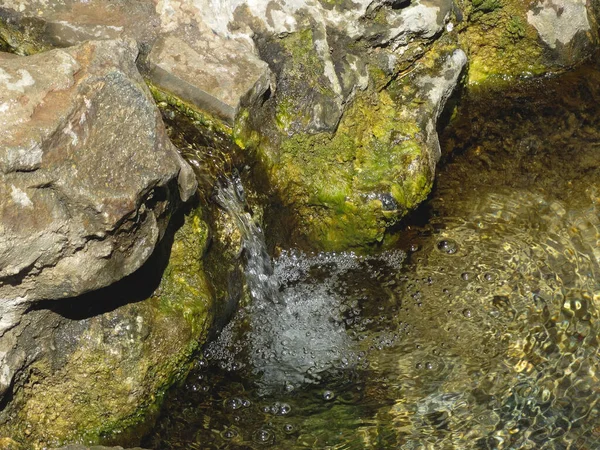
264,436
447,246
467,313
328,395
280,409
233,403
229,434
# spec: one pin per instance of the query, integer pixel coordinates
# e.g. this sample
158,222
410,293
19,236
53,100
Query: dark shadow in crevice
7,397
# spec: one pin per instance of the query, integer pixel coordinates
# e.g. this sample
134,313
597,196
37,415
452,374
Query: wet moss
201,118
502,45
111,385
22,40
346,184
338,180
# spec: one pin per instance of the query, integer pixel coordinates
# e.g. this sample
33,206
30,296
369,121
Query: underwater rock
88,175
94,369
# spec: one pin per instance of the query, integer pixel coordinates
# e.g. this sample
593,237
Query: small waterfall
263,286
295,330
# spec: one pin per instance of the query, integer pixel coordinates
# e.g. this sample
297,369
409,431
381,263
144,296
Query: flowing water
479,329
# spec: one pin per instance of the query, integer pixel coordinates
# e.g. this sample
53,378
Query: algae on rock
349,171
103,376
506,39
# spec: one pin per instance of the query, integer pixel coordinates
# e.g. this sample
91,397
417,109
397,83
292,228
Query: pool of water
478,329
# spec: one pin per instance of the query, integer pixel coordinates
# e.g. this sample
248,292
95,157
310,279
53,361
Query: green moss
516,28
200,117
184,289
21,41
335,179
125,360
486,6
503,46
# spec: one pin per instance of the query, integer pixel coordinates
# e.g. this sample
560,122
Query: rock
346,188
326,65
210,71
219,80
510,39
95,368
558,22
64,23
87,174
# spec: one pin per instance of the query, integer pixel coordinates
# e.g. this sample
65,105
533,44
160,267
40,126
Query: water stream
477,330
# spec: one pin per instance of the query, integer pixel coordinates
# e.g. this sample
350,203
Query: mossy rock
23,39
104,378
504,45
346,186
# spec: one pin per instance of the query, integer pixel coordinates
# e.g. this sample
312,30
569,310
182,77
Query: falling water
230,195
295,329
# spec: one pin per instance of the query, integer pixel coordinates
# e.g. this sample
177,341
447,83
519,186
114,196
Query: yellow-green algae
110,386
500,42
346,187
21,40
328,177
200,117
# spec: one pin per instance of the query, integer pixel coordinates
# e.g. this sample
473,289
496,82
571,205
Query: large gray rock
87,175
211,71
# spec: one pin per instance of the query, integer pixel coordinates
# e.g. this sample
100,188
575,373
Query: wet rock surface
512,39
336,104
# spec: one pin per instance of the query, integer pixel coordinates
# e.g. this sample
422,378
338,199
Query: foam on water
306,333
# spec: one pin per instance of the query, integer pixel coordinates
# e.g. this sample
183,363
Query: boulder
94,369
509,39
87,174
211,71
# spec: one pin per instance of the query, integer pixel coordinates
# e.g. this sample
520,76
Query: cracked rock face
299,69
87,175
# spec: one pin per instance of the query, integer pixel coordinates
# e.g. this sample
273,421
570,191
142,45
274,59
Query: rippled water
479,330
